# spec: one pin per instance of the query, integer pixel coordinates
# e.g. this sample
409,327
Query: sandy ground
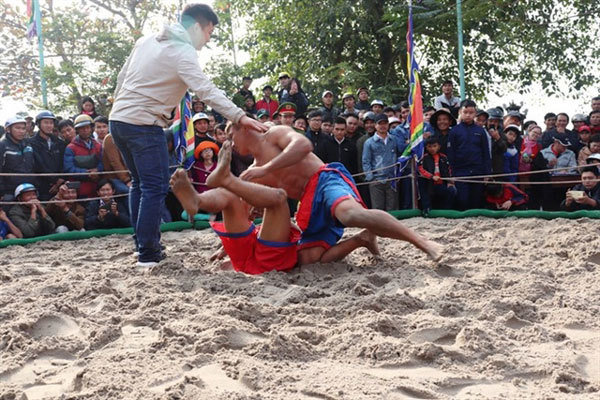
513,313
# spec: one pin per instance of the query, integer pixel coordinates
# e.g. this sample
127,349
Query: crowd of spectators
76,159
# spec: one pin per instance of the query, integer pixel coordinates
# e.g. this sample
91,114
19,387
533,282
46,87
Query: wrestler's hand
253,173
252,124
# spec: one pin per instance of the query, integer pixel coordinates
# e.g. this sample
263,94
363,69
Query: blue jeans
144,150
440,197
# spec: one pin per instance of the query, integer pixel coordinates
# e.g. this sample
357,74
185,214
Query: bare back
292,178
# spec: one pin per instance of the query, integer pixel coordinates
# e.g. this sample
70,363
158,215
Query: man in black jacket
314,133
106,213
48,152
340,149
585,195
16,156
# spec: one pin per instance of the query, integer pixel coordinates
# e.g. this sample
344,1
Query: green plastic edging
514,214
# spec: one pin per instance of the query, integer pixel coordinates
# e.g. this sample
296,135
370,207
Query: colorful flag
415,100
183,133
31,22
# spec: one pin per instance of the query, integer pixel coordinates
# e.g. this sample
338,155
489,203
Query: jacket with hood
15,158
156,75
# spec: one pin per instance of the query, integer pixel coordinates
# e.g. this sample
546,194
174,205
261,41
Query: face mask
198,36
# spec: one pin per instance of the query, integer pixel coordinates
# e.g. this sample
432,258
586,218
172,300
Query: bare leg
347,246
380,223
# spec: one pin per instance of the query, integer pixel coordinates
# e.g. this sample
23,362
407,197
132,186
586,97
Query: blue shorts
327,188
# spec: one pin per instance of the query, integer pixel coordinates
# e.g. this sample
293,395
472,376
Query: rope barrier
516,183
72,173
12,203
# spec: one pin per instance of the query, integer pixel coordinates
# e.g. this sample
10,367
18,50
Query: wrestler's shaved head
242,138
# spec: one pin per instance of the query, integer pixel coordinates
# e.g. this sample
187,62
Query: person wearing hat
301,124
287,111
328,109
84,154
200,122
481,118
16,157
30,216
380,154
592,147
363,99
198,106
30,125
578,121
267,102
377,106
284,84
205,155
584,195
584,134
48,152
447,99
239,98
441,121
512,152
296,95
349,103
558,155
262,115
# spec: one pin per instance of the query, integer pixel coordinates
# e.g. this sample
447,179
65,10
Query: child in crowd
505,197
8,230
433,168
584,195
205,155
511,155
530,148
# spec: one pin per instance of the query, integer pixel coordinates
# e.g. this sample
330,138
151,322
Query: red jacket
80,157
271,106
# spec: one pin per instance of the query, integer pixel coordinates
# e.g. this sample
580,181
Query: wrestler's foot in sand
185,192
369,240
222,173
434,250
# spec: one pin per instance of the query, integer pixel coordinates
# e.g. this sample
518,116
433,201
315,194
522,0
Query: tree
342,44
85,47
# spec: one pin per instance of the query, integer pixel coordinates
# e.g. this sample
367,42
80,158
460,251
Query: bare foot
369,241
218,255
220,176
434,250
185,192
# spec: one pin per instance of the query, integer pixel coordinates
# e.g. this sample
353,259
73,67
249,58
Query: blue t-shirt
3,229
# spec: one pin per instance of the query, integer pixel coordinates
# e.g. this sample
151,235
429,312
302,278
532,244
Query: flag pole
38,27
461,62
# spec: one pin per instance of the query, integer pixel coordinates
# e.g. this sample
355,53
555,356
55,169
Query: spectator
287,111
481,118
352,132
30,217
596,103
435,192
389,111
447,99
505,197
212,122
550,122
68,215
8,230
469,155
297,96
300,124
428,111
585,195
198,106
240,97
327,126
349,104
262,115
87,107
106,213
220,135
48,152
249,105
16,157
66,131
29,125
369,127
378,160
558,156
112,160
512,153
592,147
328,109
267,103
377,106
100,128
595,122
395,122
284,85
561,132
314,134
172,205
200,122
206,157
339,149
363,99
578,121
441,121
84,155
530,148
584,133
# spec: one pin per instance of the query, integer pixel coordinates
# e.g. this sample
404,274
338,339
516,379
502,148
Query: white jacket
156,76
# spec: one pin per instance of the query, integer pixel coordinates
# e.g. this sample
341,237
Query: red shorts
252,255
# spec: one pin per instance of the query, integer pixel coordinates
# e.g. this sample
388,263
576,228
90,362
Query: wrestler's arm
295,147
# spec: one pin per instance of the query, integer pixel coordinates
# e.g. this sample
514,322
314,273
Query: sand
512,313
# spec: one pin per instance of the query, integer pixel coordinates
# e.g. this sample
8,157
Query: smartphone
74,185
